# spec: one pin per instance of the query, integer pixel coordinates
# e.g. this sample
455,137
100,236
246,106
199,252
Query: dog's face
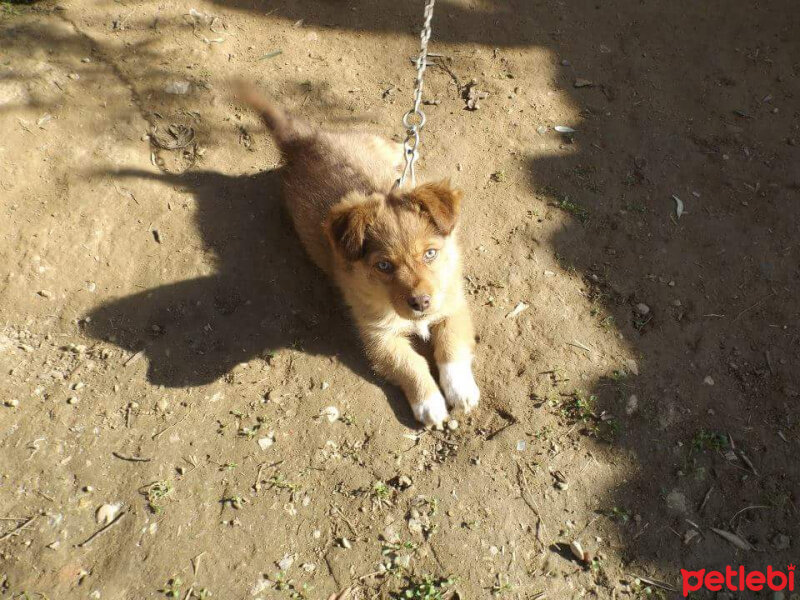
400,245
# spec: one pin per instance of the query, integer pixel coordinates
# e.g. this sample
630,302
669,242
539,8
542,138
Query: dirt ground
170,357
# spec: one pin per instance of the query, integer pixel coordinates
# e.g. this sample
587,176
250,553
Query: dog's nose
420,303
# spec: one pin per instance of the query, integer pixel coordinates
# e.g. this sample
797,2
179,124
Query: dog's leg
393,357
453,341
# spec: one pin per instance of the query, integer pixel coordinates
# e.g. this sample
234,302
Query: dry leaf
678,206
732,538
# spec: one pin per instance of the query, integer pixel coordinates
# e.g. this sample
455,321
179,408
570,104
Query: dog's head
400,245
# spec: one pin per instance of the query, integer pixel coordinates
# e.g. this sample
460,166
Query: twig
346,520
196,563
753,306
746,461
523,487
577,344
443,66
178,422
641,531
131,458
744,509
132,359
17,529
705,499
769,362
655,583
272,54
103,529
589,524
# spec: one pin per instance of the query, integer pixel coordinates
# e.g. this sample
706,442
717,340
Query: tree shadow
706,300
505,23
681,102
651,128
264,297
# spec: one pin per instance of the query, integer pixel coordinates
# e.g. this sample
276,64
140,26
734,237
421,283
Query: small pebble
632,405
346,543
452,424
331,413
404,482
577,550
643,309
781,541
106,513
72,400
13,403
708,380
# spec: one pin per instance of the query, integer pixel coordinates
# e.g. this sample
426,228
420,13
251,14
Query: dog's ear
348,222
440,201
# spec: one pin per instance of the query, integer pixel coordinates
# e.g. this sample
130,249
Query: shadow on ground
264,297
682,104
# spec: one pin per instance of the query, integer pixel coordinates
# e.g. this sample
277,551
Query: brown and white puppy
392,253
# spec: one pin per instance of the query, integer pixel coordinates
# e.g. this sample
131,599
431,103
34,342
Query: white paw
432,411
459,385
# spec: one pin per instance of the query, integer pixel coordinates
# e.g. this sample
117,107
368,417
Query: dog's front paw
459,385
432,411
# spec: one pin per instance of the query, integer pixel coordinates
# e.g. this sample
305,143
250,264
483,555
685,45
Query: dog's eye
430,254
384,266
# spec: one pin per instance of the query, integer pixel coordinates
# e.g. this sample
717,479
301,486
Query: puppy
392,253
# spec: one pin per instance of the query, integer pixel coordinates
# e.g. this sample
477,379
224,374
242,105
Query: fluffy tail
282,125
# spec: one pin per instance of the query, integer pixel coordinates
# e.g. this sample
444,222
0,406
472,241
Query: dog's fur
338,190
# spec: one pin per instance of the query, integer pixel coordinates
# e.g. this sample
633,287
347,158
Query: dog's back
321,167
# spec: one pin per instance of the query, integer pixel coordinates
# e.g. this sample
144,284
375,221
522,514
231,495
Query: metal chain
414,119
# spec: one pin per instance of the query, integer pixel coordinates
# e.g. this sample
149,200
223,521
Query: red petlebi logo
737,580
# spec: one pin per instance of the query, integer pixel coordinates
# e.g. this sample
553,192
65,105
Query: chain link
414,119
